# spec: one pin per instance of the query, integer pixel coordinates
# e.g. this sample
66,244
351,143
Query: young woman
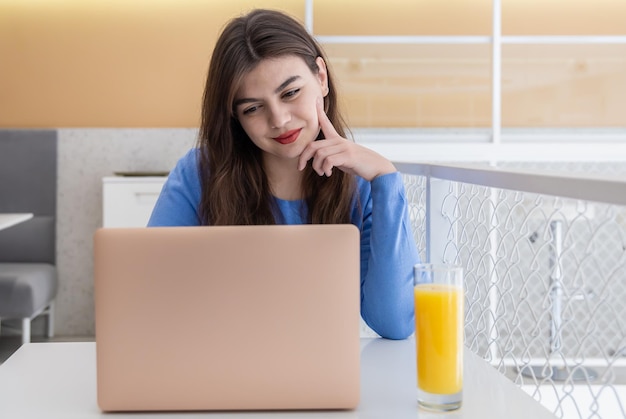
272,150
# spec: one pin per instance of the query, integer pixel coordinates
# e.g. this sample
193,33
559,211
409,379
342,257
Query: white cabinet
128,201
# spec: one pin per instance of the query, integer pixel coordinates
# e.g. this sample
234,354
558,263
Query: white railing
545,267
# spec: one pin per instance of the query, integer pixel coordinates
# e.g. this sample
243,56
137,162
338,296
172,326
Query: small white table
7,220
58,381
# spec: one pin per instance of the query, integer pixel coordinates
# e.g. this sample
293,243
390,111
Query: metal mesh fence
545,282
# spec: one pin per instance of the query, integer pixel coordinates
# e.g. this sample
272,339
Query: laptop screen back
227,318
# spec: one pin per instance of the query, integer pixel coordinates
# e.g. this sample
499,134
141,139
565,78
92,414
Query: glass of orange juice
439,315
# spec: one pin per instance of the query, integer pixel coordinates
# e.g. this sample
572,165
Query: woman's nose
279,116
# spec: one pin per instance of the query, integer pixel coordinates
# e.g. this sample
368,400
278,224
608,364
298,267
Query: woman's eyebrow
277,90
286,83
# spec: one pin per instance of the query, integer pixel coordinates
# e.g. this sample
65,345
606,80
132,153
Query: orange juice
439,338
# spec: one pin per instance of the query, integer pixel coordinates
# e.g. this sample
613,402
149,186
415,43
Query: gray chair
28,183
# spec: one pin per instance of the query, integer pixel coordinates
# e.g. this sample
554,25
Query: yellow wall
564,85
402,17
414,85
564,17
109,63
142,63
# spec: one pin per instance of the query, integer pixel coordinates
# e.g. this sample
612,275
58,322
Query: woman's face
276,105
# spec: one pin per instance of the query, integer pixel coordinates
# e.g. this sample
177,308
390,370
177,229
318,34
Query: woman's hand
336,151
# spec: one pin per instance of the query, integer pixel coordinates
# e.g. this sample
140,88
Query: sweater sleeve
388,254
180,197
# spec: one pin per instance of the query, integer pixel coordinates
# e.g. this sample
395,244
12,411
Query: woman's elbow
396,330
398,333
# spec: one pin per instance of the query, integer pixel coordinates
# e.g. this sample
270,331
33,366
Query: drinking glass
439,318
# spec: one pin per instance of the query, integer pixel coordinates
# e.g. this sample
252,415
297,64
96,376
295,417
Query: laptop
227,317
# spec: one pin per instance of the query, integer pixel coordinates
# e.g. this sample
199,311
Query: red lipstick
288,137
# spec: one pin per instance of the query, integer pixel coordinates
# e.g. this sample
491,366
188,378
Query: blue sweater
388,251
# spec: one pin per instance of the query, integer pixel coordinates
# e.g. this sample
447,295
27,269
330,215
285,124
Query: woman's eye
250,110
291,93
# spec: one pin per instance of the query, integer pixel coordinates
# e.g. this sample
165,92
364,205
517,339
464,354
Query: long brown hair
235,188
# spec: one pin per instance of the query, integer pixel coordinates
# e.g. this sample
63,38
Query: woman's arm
388,250
388,254
179,199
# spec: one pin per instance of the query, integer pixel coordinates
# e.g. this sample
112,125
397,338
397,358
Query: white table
58,381
7,220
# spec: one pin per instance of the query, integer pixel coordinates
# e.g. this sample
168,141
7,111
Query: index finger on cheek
327,126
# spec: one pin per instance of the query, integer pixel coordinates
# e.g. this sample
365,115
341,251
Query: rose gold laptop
227,318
